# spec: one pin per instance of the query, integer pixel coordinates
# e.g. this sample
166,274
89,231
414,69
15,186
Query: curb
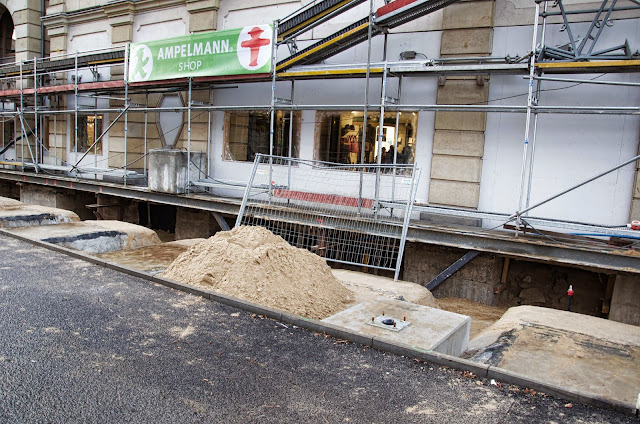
378,343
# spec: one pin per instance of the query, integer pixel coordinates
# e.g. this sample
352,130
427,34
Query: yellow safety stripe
320,47
313,19
328,72
600,64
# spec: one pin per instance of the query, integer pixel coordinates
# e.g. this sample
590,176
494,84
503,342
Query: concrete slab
575,351
429,329
14,213
368,287
6,202
92,236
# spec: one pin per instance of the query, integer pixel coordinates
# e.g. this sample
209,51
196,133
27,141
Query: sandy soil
253,264
482,316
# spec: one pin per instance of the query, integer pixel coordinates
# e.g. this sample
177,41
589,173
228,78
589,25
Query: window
339,137
247,133
89,129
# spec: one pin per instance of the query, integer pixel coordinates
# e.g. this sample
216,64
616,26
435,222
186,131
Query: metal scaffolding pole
535,116
290,136
35,111
272,109
22,131
530,102
126,113
366,103
189,138
146,124
209,134
75,105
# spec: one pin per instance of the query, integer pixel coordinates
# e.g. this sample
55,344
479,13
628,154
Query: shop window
89,129
247,133
339,137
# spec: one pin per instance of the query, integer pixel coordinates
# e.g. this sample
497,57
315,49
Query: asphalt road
84,344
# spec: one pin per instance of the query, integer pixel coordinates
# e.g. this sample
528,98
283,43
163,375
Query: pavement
85,343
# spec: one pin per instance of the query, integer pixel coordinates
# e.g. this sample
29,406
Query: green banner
230,52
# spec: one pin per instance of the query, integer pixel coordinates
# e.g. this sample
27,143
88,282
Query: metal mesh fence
352,214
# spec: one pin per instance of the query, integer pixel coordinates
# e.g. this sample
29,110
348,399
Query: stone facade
458,146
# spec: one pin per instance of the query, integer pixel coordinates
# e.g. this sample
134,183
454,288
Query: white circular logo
140,63
254,46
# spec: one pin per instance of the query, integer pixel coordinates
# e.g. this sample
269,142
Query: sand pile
252,263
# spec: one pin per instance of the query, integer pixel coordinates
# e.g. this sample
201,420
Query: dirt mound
252,263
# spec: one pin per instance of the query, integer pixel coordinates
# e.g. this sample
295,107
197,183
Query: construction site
457,177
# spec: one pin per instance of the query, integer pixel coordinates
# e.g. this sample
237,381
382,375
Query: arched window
7,44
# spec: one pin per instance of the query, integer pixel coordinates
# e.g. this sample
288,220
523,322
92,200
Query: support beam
451,270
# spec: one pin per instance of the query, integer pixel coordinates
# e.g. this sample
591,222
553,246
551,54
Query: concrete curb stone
510,377
430,356
330,329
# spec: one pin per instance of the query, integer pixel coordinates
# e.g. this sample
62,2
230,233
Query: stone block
635,210
203,21
478,14
191,223
461,121
462,92
58,44
625,304
454,193
636,188
28,44
474,281
458,143
471,41
121,33
456,168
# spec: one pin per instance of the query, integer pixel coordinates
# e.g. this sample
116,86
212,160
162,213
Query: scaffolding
35,87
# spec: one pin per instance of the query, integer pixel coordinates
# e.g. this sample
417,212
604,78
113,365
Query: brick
474,41
454,193
458,143
461,121
456,168
468,15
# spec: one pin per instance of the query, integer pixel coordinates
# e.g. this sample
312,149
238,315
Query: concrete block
477,14
636,188
429,328
167,171
454,193
625,302
456,168
472,41
461,121
458,143
462,92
